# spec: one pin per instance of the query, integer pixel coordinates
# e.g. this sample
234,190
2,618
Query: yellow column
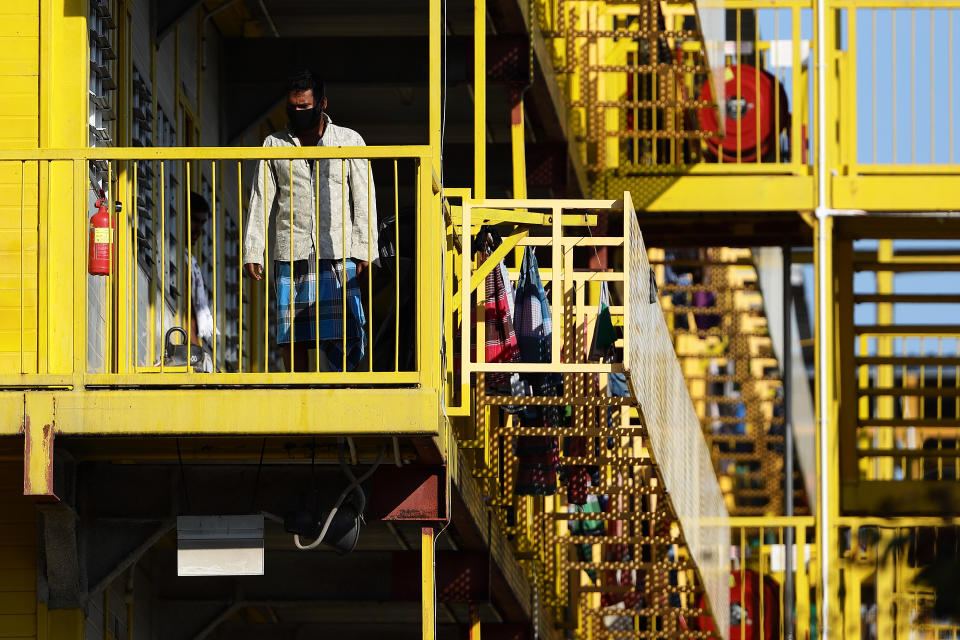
884,436
61,624
436,34
427,586
63,114
474,622
480,99
38,433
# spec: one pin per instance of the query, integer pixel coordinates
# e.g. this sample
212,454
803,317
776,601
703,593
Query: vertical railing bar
913,85
23,168
163,257
796,126
893,84
108,298
873,82
343,247
786,634
215,259
316,257
777,84
933,111
292,297
369,275
46,290
240,259
396,270
739,42
950,112
760,583
134,269
266,267
743,577
152,307
756,80
189,273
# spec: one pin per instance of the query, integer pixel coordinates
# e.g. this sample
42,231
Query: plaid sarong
321,293
500,340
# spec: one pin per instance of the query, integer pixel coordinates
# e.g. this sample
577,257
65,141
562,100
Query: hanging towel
604,335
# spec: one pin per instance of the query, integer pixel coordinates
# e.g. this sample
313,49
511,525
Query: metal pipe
823,401
479,99
788,581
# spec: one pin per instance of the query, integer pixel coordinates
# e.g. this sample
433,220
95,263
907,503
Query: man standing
313,199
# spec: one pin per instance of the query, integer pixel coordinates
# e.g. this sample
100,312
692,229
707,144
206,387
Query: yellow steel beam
481,272
517,148
897,192
38,432
412,151
498,216
480,98
719,193
227,411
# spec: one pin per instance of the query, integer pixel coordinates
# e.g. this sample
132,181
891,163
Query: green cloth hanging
604,334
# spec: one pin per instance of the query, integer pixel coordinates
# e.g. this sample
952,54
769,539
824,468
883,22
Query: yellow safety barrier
665,521
120,320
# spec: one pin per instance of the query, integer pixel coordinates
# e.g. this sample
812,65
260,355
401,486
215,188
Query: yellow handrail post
427,584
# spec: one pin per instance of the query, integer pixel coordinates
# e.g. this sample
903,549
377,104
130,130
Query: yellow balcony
96,343
670,114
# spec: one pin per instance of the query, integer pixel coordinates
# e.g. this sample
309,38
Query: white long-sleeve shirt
337,180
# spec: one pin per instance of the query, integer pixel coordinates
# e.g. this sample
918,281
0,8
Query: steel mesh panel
673,427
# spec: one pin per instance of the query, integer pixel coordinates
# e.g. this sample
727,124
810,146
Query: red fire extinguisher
102,227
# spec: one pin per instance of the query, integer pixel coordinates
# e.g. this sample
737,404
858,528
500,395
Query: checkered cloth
321,292
501,340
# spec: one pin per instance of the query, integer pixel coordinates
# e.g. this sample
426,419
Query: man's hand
361,266
253,270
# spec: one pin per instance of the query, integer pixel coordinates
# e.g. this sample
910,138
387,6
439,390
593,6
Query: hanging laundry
705,300
586,528
539,456
500,338
604,334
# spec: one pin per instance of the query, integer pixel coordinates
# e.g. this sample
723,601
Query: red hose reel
749,94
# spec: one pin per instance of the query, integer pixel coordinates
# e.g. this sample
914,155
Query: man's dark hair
305,80
198,204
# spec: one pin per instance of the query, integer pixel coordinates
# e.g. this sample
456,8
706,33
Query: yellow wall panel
19,129
10,216
18,602
18,626
20,56
20,25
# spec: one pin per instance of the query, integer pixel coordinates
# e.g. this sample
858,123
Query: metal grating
672,425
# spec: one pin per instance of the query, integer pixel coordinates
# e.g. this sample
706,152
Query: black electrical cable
256,482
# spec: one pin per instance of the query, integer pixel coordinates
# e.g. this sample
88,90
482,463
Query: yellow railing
111,331
891,573
666,513
640,100
899,370
773,578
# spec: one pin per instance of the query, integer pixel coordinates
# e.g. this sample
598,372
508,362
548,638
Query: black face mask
304,119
